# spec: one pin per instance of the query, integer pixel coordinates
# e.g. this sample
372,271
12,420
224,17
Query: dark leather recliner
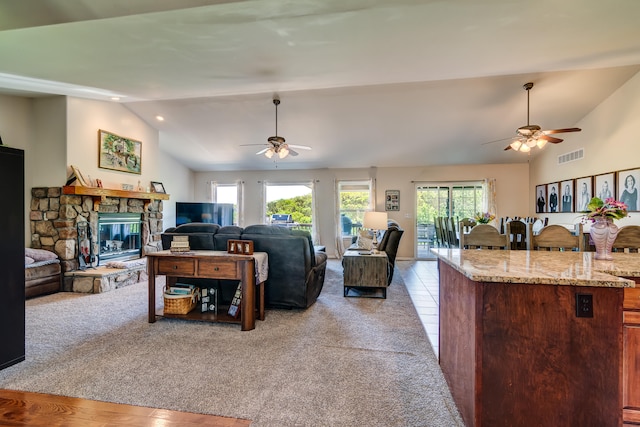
296,271
389,244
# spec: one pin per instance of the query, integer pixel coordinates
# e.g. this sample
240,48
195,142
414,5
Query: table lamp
375,221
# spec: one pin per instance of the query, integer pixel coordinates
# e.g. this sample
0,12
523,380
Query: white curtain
240,189
315,216
338,224
263,202
373,194
213,188
489,203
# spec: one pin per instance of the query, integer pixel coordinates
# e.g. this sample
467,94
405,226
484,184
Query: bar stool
485,236
555,238
627,240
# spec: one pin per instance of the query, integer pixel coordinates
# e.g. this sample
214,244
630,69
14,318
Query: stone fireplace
55,215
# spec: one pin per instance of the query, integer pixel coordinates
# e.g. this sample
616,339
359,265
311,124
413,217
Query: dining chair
518,235
485,236
437,224
452,237
466,224
555,238
503,221
537,225
627,240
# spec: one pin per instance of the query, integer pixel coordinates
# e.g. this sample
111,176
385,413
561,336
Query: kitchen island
540,338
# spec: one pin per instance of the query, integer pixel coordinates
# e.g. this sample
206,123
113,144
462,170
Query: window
355,200
226,193
294,200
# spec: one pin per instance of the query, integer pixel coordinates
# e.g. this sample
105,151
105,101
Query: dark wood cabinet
12,299
631,356
516,354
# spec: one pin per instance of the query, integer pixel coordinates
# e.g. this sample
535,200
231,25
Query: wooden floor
18,408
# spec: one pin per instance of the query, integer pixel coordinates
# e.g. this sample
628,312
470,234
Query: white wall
85,118
48,159
512,183
178,181
610,138
16,130
59,131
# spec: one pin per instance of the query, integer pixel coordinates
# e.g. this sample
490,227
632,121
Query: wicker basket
180,304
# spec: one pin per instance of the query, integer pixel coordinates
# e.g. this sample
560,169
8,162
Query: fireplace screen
119,235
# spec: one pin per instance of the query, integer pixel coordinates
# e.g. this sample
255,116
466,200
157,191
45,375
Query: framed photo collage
573,195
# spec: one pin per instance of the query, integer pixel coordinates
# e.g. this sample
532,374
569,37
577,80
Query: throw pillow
39,254
365,240
28,260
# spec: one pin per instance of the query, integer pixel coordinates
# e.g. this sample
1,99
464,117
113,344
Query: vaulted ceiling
363,82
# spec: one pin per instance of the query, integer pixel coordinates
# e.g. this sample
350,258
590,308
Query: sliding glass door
456,200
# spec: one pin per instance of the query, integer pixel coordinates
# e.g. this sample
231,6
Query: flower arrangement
484,218
610,208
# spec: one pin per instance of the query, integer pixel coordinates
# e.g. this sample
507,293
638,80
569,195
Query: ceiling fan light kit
530,136
276,144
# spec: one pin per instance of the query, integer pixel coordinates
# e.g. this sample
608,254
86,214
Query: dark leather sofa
42,279
296,270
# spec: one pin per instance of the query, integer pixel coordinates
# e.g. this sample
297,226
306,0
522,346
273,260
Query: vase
603,233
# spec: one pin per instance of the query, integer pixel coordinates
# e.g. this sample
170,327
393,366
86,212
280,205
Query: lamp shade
375,220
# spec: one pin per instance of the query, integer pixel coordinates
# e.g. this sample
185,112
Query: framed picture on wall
541,198
392,200
628,181
118,153
552,197
566,196
604,185
584,193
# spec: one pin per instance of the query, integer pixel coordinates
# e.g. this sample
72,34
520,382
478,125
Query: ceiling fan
530,136
276,144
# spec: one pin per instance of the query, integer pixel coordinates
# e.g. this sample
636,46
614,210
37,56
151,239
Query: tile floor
421,280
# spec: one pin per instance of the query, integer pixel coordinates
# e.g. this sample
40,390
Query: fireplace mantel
100,194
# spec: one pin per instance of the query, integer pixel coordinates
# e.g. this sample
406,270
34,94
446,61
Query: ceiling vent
571,157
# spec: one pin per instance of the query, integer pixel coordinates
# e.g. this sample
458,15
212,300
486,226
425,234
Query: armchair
389,244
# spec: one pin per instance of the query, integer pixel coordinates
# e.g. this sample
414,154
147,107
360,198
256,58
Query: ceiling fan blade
264,150
507,148
551,139
300,147
562,130
496,140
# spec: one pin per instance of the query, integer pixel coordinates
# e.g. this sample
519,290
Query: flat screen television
213,213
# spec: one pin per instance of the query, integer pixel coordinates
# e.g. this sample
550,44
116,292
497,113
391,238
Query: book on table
234,308
181,289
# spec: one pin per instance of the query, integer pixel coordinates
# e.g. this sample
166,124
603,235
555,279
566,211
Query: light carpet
341,362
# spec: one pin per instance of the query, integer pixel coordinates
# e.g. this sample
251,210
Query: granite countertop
543,267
